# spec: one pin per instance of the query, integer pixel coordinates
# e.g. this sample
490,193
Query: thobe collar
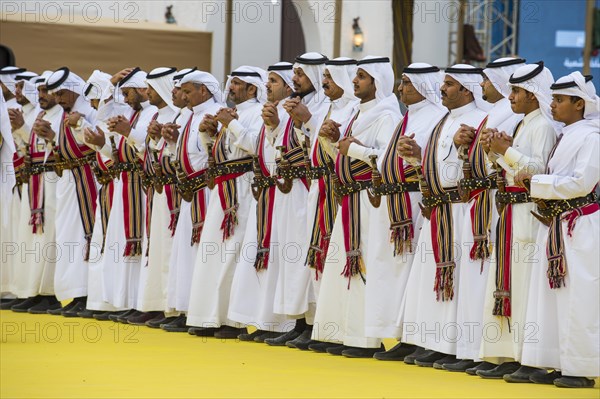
365,107
308,98
203,106
57,109
166,110
246,104
420,105
28,107
530,116
145,104
460,111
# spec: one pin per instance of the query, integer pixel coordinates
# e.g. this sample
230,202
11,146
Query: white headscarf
180,74
470,78
577,85
342,71
63,78
161,80
98,86
41,80
537,79
29,88
7,77
285,72
427,80
135,80
313,65
380,69
206,79
253,76
499,71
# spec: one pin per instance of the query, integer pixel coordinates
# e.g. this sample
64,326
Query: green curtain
402,12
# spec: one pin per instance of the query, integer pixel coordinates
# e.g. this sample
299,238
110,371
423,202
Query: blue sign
554,32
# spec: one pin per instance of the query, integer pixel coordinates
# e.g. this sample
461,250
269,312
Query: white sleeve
581,181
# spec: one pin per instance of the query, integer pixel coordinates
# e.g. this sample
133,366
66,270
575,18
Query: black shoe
302,340
544,377
397,353
47,303
228,332
160,319
574,382
177,325
88,313
337,350
202,331
79,307
321,347
266,335
105,316
410,359
521,375
362,353
7,304
26,304
249,337
428,359
123,318
282,339
448,359
115,315
499,371
142,318
461,366
485,366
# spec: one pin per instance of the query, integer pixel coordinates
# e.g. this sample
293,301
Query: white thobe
533,142
388,274
473,275
428,322
183,253
566,319
349,328
215,268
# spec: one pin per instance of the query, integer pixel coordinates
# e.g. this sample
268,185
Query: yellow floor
52,356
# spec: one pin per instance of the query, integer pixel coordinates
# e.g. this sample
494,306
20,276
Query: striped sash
348,171
149,171
442,229
36,182
105,195
293,150
394,171
324,214
132,196
227,187
481,210
69,149
502,305
198,204
264,209
173,196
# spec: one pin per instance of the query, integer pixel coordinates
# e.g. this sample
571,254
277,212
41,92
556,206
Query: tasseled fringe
402,235
317,255
86,248
262,259
501,304
196,233
37,221
556,271
133,247
173,221
230,220
481,249
444,281
354,266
